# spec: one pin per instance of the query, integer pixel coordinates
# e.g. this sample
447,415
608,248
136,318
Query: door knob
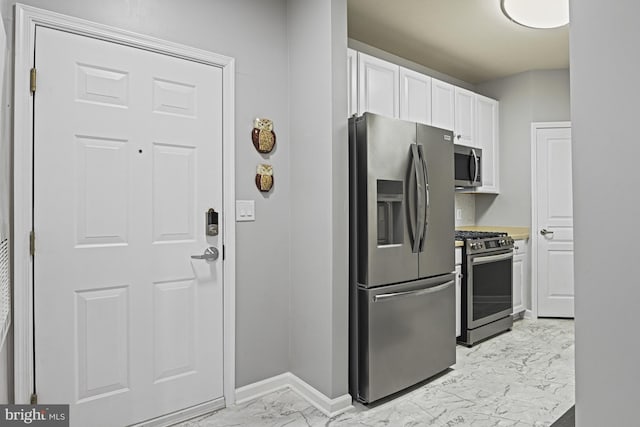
544,232
210,254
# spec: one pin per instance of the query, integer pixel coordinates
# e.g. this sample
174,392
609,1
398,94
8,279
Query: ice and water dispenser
389,208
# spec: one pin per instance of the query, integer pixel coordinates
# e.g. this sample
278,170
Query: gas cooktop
476,242
468,235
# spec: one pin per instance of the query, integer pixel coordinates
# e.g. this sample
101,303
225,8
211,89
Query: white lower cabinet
458,257
520,276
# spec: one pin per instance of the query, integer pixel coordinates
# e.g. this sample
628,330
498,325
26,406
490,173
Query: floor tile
522,378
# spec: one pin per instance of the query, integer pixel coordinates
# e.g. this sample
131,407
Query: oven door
489,287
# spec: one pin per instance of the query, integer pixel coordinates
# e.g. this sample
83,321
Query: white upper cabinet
352,82
415,96
487,139
378,86
384,88
442,104
464,121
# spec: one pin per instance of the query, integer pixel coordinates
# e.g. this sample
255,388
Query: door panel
408,336
415,96
385,251
378,83
439,233
442,103
127,161
102,344
555,215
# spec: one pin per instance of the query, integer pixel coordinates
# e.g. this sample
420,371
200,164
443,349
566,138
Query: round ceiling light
537,13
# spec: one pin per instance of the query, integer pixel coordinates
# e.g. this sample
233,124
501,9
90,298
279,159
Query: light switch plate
245,210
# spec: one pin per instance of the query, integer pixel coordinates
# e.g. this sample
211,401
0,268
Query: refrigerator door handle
420,198
411,203
416,293
425,174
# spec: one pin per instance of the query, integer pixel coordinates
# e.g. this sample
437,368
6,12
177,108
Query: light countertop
516,233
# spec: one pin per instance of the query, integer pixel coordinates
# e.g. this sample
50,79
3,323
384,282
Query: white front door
128,159
554,234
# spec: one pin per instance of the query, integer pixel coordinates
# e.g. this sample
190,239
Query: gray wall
255,34
532,96
319,270
604,110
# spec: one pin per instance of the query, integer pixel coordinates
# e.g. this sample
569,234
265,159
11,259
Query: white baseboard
528,314
260,388
184,414
329,407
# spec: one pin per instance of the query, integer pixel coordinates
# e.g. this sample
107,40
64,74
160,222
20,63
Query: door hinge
32,242
34,399
32,80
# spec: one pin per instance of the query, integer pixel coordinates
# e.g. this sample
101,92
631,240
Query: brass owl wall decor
263,136
264,177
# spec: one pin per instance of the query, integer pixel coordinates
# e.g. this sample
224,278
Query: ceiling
468,39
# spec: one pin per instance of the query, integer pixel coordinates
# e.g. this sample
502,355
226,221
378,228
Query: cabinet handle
516,247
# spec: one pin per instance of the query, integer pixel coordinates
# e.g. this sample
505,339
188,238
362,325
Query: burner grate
469,235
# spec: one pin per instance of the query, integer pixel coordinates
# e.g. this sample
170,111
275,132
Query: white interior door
555,222
127,160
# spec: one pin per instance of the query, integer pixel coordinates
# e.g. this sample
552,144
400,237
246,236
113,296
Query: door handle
427,196
420,193
210,254
416,293
475,166
544,232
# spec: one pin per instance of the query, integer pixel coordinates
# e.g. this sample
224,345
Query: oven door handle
492,258
416,293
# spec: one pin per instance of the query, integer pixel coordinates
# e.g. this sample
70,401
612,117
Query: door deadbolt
211,222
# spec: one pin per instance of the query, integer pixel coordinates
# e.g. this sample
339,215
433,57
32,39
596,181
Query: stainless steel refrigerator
402,289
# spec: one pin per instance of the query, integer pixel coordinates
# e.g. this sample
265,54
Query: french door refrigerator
402,289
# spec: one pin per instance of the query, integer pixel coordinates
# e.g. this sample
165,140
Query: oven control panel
489,244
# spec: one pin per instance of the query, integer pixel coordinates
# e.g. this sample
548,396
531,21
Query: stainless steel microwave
468,166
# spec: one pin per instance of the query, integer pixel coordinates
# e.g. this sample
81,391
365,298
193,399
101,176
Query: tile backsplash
466,204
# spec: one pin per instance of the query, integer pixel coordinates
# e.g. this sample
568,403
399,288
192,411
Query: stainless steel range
487,276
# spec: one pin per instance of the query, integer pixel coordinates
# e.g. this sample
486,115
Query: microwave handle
475,166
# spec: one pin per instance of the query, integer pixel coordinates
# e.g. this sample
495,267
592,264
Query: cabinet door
458,299
520,276
378,85
352,82
464,117
518,280
415,96
442,104
487,139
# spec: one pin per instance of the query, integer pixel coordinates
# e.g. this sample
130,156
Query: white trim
27,18
329,407
184,414
533,313
261,388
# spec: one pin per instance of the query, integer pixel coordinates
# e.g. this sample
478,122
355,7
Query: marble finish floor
521,378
